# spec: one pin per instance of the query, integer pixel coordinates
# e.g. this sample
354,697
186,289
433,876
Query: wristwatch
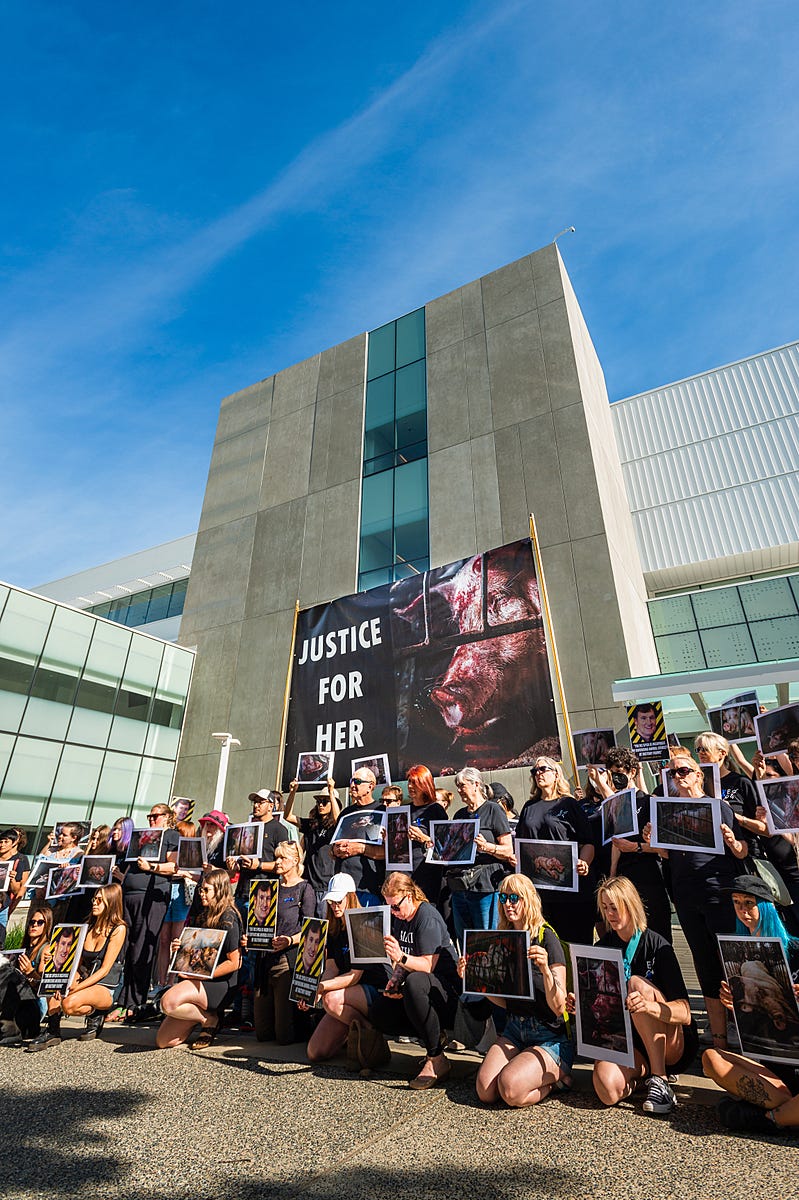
403,959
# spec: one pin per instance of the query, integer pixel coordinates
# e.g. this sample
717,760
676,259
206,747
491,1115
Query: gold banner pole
286,696
553,649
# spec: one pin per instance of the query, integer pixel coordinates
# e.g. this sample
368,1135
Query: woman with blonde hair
273,1012
99,970
534,1052
553,815
193,1001
664,1033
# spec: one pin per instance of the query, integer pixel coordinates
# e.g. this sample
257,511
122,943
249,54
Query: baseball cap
339,887
264,794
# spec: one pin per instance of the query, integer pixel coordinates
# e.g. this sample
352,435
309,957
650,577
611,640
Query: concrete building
428,440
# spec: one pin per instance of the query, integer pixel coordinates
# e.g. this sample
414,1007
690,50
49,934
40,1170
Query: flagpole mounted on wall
286,697
553,649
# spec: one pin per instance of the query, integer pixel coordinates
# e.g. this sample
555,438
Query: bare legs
518,1077
752,1081
342,1007
184,1006
91,999
663,1045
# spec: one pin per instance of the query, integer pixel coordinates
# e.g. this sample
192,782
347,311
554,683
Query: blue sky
197,194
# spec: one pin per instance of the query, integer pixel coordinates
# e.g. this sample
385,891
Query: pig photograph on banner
448,668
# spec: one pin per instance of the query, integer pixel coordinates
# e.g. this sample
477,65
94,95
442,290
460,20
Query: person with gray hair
474,888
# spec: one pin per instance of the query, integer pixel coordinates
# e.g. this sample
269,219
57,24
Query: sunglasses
509,897
323,802
154,816
680,772
359,782
398,905
540,770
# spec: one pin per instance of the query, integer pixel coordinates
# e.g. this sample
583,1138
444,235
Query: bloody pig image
474,687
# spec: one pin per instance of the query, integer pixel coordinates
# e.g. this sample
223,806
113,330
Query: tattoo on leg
752,1090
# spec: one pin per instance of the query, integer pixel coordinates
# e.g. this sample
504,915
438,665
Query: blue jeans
473,910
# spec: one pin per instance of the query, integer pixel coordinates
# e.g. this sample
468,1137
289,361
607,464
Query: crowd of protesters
624,901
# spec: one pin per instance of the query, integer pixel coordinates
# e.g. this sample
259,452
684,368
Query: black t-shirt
295,902
741,795
538,1007
320,865
426,933
274,833
20,865
338,949
367,873
641,869
559,820
137,880
421,817
493,825
696,876
654,960
230,921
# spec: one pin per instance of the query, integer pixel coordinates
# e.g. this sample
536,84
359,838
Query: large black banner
448,668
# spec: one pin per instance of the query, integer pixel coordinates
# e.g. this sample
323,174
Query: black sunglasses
680,772
509,897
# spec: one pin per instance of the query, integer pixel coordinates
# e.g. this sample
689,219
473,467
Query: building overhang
729,680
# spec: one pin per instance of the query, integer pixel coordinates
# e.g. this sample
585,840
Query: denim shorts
526,1032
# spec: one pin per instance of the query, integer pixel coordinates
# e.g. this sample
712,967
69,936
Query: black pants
144,914
701,920
18,1002
425,1009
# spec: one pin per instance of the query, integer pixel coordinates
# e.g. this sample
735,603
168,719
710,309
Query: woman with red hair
424,809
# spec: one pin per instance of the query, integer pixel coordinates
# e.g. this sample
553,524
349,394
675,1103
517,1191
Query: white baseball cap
339,887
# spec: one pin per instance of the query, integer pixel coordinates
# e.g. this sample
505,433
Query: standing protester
248,866
366,864
474,888
18,873
145,898
316,830
632,857
212,827
274,1013
699,881
553,814
424,809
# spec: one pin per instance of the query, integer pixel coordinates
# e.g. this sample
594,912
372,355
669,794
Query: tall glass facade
395,540
727,626
90,714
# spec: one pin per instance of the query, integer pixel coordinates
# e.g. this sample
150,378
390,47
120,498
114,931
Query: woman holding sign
534,1052
766,1098
664,1034
200,1001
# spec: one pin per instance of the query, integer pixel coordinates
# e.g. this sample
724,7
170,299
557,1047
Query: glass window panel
46,717
372,579
107,654
3,596
776,639
381,351
118,778
795,588
376,551
410,492
155,783
766,599
107,812
680,652
137,609
144,664
24,625
159,603
77,776
729,646
671,614
31,771
410,540
175,676
118,610
65,810
178,598
411,390
15,679
375,465
720,606
91,726
405,570
410,337
162,741
411,436
129,726
101,610
411,453
379,403
377,504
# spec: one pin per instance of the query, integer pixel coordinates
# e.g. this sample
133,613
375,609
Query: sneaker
660,1099
743,1117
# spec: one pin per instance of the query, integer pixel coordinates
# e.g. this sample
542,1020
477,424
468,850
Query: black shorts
690,1037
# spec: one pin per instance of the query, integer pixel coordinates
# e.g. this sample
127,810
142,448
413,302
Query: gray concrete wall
518,422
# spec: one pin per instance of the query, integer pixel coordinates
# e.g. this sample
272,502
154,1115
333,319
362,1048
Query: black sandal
206,1037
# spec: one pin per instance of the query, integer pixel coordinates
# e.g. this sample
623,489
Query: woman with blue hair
765,1098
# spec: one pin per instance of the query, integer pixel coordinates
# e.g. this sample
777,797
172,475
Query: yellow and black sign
62,958
262,913
647,727
310,961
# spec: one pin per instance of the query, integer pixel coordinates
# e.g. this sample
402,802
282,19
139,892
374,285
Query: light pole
227,741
